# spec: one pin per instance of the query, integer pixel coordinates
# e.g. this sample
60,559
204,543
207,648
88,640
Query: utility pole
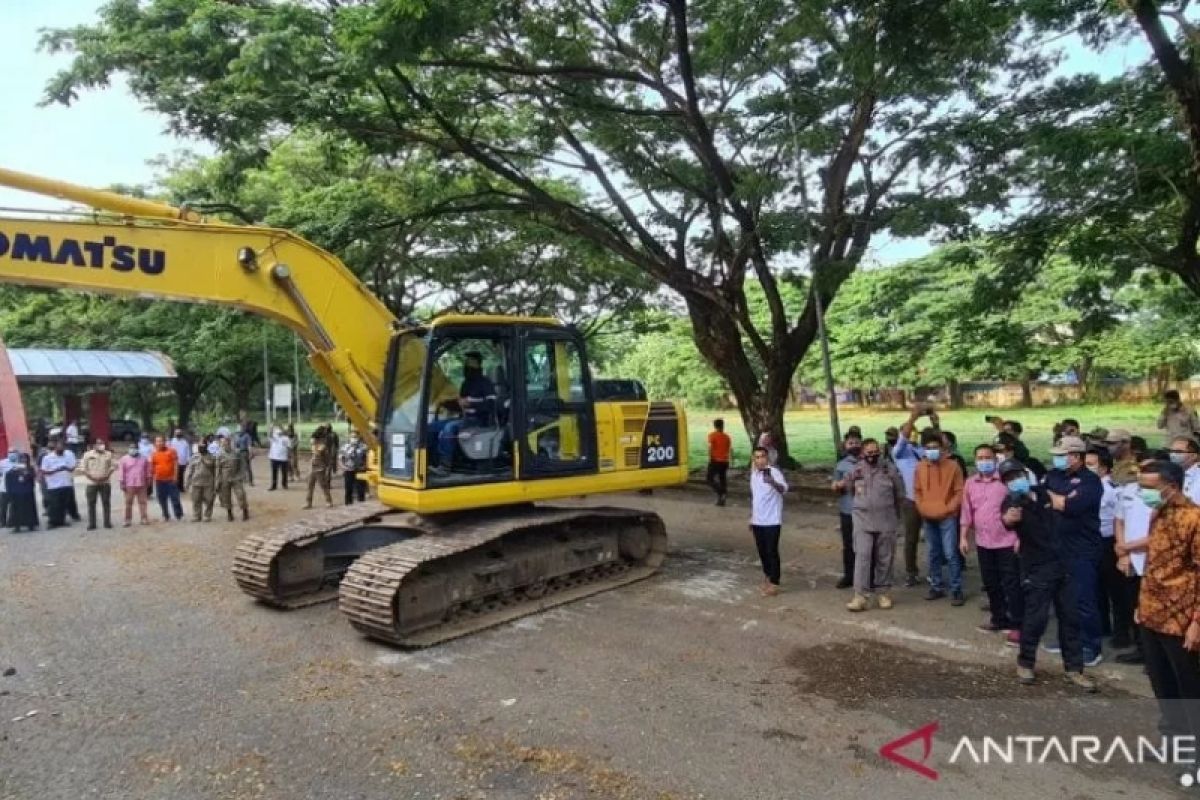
266,383
296,371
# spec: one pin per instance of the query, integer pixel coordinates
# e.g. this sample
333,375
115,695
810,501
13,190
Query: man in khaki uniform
321,466
201,480
98,466
230,476
878,494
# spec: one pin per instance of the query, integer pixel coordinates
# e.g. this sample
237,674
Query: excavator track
460,576
287,566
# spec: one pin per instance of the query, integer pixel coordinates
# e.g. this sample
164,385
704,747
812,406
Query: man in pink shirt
997,546
134,473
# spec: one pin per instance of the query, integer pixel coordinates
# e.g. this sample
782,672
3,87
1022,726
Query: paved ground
153,677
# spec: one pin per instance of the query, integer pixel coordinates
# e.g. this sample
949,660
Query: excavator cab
481,400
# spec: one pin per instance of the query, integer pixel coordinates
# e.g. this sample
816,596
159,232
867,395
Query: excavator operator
475,408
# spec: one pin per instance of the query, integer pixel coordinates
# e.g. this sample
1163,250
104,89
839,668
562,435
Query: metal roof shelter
45,367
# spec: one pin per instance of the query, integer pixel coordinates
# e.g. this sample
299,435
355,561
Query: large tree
715,139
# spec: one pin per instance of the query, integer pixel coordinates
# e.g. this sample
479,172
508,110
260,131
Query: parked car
118,431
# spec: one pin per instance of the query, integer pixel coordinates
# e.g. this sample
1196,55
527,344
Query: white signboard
283,395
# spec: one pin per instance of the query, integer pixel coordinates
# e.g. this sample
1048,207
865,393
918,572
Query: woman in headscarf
19,484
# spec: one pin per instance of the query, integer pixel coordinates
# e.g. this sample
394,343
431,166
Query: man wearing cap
1176,418
1046,579
1124,463
1075,493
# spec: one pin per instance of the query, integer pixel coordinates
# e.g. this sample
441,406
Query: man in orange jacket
938,487
164,463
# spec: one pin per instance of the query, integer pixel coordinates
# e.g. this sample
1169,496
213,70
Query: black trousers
3,509
1175,677
71,503
847,523
279,468
56,505
355,487
103,491
717,477
1049,585
1110,578
1001,573
766,537
180,474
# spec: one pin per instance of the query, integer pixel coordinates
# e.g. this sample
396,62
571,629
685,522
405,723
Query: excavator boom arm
144,249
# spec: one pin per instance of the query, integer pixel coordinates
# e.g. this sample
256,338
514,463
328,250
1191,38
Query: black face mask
853,450
892,442
873,458
472,372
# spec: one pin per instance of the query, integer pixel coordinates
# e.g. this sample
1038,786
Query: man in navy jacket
1075,493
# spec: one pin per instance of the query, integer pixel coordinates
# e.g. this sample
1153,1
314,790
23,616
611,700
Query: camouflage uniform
201,478
319,471
231,469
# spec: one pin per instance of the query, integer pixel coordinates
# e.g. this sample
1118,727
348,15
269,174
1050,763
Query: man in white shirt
1185,452
767,487
58,473
183,448
74,440
1112,580
1132,523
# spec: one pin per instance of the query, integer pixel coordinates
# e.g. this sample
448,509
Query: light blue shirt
906,455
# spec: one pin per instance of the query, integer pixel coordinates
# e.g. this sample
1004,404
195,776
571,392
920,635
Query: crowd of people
209,470
1105,539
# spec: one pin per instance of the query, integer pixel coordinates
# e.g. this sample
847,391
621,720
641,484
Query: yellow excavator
473,421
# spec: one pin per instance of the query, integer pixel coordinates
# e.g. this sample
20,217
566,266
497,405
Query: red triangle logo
891,750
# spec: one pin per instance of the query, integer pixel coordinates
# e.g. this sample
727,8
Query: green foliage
699,142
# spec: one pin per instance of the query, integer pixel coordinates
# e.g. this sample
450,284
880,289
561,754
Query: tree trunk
1027,391
954,389
189,388
1083,374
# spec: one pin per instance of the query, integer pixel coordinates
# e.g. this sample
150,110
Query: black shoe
912,580
91,527
721,500
108,525
957,599
935,594
845,583
1135,657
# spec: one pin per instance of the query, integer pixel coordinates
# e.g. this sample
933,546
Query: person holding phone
767,487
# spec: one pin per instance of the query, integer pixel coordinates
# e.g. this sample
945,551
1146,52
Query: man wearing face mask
98,467
938,487
1124,469
1075,493
353,460
983,495
1045,581
851,449
1185,452
1169,600
135,477
877,497
477,399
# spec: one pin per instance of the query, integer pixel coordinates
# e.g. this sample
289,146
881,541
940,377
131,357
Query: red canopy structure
82,375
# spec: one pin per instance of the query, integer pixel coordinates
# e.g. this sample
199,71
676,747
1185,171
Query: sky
107,137
104,138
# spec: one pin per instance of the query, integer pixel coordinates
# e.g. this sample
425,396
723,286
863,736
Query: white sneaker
1094,661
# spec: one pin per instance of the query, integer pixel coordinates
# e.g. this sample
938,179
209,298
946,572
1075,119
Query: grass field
809,437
